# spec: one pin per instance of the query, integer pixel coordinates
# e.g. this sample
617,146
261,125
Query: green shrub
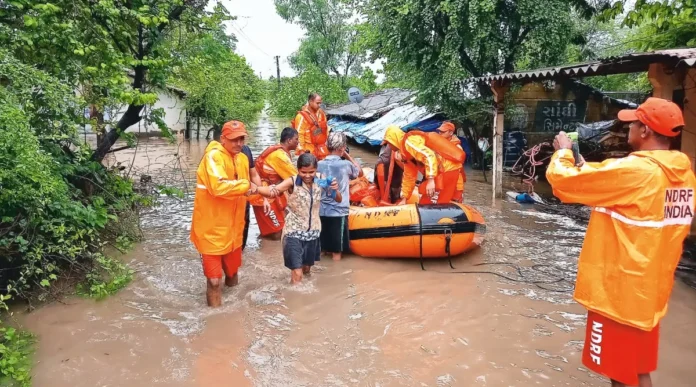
15,355
57,208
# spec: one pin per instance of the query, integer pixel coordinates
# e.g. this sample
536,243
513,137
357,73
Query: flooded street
357,322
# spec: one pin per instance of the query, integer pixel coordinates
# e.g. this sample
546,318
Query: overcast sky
262,34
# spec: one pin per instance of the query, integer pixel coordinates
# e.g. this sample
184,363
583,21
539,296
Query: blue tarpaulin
356,129
353,129
429,125
372,132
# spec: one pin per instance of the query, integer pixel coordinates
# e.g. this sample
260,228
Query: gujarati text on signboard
554,116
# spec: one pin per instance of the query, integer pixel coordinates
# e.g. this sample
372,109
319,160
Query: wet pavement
358,322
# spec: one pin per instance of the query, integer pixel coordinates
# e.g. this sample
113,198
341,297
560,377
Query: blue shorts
298,253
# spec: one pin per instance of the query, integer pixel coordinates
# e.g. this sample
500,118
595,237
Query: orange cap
446,127
233,129
658,114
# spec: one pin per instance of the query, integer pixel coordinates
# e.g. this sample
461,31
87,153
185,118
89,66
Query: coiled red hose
527,169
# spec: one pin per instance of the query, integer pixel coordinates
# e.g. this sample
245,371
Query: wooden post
662,81
688,144
499,89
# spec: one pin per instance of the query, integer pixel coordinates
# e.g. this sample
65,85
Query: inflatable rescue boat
415,231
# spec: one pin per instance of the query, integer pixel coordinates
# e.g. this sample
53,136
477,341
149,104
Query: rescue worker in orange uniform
273,166
312,127
446,130
217,226
643,206
440,183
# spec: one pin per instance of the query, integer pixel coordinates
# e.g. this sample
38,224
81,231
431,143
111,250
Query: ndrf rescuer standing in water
643,206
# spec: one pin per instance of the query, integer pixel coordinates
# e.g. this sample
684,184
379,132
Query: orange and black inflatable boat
415,231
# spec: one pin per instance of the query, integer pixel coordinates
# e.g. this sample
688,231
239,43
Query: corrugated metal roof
373,132
629,63
372,105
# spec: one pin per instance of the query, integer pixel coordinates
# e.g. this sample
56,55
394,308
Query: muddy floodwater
358,322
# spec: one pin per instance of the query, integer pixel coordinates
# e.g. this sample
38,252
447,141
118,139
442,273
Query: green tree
294,91
604,39
115,50
48,221
437,43
220,85
659,24
330,42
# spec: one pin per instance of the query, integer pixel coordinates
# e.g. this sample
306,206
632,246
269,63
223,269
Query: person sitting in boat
300,240
273,166
446,130
313,128
389,174
424,152
334,214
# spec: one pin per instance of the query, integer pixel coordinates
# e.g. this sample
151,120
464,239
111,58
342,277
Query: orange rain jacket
413,146
313,130
222,180
273,165
643,206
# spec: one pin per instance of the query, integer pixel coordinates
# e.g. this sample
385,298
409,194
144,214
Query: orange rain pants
214,265
274,221
445,185
618,351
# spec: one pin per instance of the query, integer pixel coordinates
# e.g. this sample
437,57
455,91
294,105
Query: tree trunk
129,118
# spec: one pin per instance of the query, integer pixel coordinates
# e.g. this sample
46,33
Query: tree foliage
220,85
115,49
438,43
659,24
50,223
331,35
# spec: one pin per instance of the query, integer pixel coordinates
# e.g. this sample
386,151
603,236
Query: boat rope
448,240
560,276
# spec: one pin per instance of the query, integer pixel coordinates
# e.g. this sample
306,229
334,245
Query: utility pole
277,58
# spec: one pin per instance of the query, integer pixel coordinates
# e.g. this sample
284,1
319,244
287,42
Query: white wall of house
174,114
